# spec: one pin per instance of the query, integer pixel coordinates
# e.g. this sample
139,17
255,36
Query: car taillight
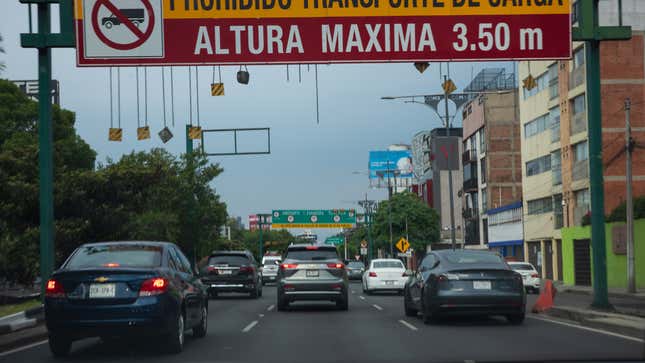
311,247
247,269
442,278
54,289
534,275
111,264
335,265
154,286
372,274
405,274
288,266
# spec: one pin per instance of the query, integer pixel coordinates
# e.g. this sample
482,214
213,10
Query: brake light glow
248,269
288,266
442,278
54,289
111,264
153,286
372,274
312,247
534,275
335,265
405,274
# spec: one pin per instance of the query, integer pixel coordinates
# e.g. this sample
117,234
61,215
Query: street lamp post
368,205
394,172
262,221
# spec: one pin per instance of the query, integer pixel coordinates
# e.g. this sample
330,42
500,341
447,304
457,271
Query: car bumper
269,278
478,304
354,275
532,283
374,284
332,290
229,286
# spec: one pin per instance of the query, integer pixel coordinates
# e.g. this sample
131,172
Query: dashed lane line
250,326
20,349
377,307
408,325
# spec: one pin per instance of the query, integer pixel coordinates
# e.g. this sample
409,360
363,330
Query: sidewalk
22,328
627,315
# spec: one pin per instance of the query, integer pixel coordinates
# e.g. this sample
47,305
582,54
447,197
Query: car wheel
175,340
515,319
343,304
409,310
59,345
212,294
200,330
108,24
363,286
254,293
282,304
260,289
427,317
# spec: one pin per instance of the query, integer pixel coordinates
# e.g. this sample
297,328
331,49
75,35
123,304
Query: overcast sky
310,166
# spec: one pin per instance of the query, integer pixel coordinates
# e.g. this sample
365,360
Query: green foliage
619,214
273,240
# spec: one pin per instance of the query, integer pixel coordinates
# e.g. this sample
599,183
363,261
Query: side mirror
436,263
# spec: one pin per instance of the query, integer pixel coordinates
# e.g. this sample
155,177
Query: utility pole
452,196
368,205
629,147
189,141
345,240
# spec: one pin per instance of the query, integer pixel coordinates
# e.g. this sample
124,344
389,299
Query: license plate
98,291
481,285
312,273
225,272
389,282
271,277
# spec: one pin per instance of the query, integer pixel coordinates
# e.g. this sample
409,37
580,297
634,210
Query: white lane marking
250,326
261,315
24,348
353,291
361,297
627,337
377,307
412,327
469,361
270,307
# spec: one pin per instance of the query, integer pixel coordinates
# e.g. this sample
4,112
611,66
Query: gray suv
312,272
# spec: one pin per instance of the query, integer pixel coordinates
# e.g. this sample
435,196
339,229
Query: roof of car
240,252
146,243
518,263
305,245
385,259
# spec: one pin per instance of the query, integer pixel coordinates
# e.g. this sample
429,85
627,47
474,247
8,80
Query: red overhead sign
212,32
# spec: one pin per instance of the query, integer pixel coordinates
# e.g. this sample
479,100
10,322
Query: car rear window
356,264
388,264
231,260
116,255
270,261
473,257
312,254
522,267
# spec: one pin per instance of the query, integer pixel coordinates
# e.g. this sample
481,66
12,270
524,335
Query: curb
621,295
22,320
23,337
616,323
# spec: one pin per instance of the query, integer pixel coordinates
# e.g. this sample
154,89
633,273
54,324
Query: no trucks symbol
132,19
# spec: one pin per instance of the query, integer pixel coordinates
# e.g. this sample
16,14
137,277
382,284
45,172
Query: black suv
232,271
312,272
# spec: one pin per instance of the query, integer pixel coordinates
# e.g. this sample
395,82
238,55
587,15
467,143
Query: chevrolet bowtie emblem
101,279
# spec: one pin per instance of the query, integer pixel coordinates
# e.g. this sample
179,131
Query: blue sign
395,164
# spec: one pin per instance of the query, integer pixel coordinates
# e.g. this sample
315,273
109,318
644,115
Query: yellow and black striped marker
529,83
217,89
194,132
449,86
115,134
143,133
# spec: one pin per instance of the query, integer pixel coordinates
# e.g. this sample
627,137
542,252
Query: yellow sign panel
195,133
449,86
403,245
143,133
529,83
115,134
311,225
217,89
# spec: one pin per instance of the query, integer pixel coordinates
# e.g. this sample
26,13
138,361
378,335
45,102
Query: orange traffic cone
545,300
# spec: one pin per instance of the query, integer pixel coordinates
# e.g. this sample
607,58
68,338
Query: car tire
254,293
200,330
59,345
175,340
409,310
516,319
427,317
282,304
343,304
212,294
108,25
260,289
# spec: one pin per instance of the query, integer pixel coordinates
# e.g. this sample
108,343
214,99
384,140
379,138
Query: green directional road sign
336,241
302,218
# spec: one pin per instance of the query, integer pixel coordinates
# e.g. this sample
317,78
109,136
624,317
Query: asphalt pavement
373,330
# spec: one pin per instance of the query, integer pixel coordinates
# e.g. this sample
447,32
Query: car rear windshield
116,255
231,260
473,257
388,264
270,261
312,254
356,264
522,267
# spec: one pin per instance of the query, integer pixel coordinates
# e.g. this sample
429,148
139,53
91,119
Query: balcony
576,77
469,156
580,170
470,185
579,123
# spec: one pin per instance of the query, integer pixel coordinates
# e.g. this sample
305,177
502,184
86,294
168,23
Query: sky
311,166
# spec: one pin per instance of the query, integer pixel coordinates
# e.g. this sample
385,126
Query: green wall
616,264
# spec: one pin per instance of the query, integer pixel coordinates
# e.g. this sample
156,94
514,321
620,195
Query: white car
530,276
270,265
384,274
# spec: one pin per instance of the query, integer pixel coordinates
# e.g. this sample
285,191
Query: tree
423,222
2,65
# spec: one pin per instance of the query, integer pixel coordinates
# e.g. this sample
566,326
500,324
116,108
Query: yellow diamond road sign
403,245
449,86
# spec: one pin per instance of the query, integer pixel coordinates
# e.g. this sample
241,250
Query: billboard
395,165
220,32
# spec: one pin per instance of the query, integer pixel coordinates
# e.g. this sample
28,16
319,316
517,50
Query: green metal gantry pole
189,141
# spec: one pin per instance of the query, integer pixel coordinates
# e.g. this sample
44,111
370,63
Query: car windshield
388,264
473,257
230,260
521,267
312,254
116,255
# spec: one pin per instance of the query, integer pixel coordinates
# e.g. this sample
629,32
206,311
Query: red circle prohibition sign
141,36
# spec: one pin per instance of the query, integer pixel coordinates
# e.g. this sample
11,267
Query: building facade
506,232
555,156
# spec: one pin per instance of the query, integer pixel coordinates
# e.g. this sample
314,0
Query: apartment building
555,151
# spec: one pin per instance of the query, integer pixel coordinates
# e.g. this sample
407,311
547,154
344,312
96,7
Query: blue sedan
121,289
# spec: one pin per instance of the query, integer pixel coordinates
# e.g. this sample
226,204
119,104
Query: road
374,329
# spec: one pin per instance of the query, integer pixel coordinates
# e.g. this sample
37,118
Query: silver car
312,272
270,265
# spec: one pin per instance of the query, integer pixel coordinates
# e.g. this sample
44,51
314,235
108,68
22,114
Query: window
541,84
536,126
554,116
428,261
470,171
579,58
558,221
538,166
228,259
580,151
482,140
554,88
464,256
578,105
582,198
388,264
556,167
184,261
311,253
116,255
539,206
484,200
483,170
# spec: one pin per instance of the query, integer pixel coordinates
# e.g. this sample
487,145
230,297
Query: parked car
464,282
312,272
120,289
355,270
530,276
384,274
270,266
232,271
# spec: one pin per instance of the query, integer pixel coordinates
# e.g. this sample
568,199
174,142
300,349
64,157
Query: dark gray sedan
464,282
355,270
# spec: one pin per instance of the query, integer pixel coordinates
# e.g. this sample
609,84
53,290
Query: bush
619,214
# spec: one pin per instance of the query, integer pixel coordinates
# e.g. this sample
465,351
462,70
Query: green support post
189,141
369,237
590,32
261,247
